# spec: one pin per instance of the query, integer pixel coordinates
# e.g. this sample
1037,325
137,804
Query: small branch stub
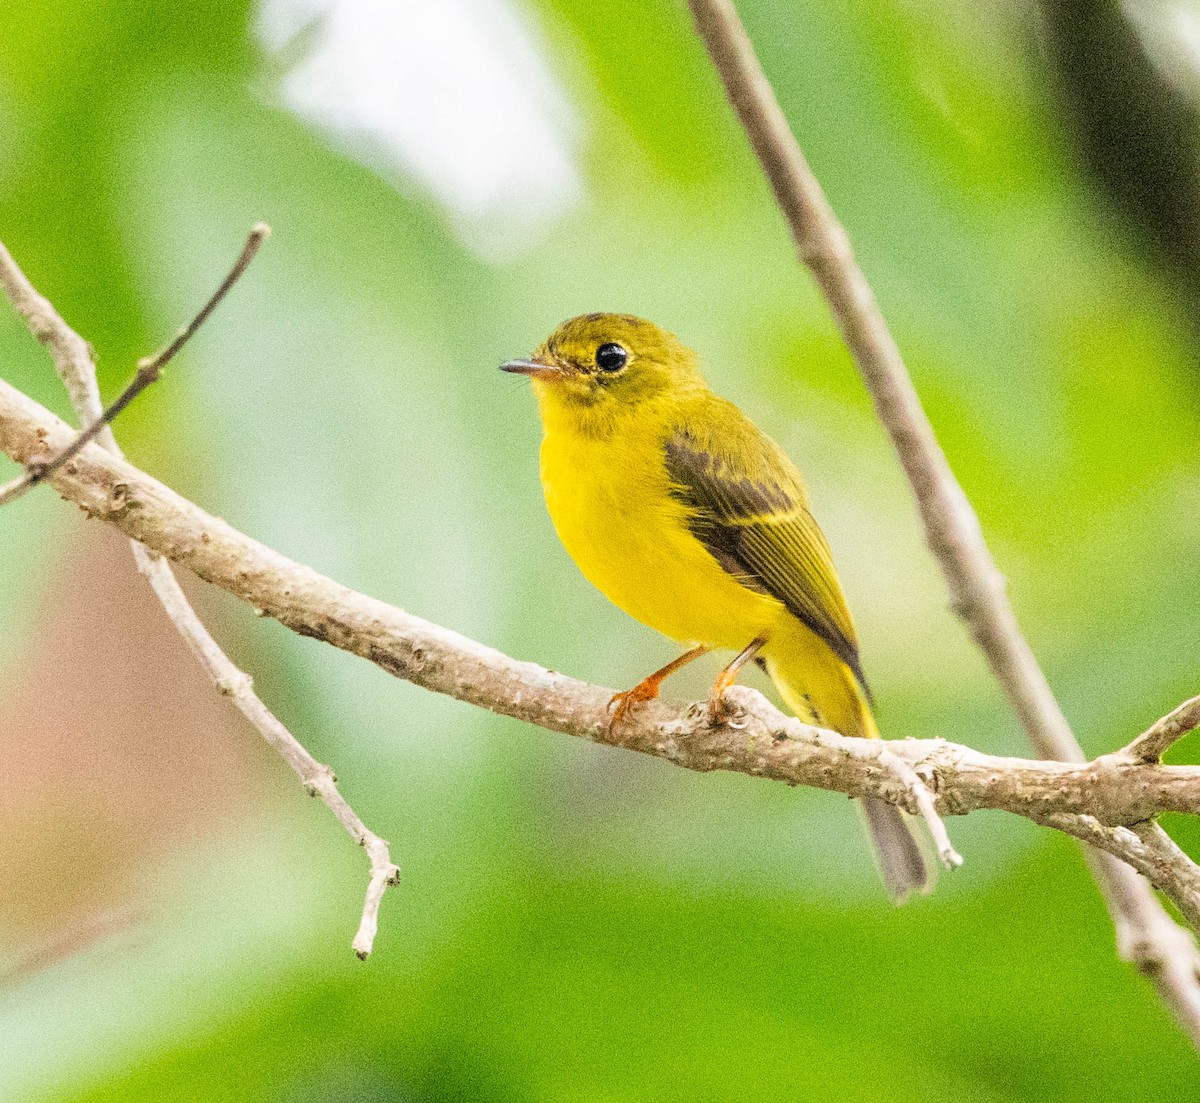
924,798
1156,740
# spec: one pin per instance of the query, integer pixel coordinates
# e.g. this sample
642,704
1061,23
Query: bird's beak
539,369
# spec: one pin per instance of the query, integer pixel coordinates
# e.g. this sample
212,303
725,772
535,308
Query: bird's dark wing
747,505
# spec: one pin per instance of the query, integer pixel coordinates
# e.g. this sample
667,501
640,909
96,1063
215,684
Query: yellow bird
678,509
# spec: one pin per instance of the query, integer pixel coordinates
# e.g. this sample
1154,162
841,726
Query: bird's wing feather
747,505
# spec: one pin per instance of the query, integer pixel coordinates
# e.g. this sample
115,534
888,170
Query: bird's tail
820,689
901,863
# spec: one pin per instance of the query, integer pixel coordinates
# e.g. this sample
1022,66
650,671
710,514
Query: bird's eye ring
611,357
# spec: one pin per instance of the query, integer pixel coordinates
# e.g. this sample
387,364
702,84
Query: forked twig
73,362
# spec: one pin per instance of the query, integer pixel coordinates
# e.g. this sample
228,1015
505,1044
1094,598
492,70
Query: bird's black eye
611,357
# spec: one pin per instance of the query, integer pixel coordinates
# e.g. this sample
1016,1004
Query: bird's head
597,366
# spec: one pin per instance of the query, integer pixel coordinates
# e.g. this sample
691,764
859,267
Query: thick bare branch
977,589
1113,791
73,361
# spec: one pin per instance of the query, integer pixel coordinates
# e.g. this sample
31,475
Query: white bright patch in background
1170,32
454,94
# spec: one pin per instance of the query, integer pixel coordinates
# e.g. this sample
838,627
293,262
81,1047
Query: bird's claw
718,711
622,704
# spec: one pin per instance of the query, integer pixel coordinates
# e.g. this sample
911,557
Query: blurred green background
446,182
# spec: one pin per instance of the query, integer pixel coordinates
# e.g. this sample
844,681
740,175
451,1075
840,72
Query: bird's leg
727,677
647,688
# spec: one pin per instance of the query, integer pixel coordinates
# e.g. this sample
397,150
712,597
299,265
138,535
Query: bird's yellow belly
614,513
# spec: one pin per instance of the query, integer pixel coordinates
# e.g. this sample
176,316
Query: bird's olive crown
619,354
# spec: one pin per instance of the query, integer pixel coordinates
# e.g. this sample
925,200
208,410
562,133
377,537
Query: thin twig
952,529
73,361
149,370
1154,742
259,233
71,354
316,777
13,489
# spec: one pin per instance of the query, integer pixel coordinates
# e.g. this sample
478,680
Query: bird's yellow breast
610,499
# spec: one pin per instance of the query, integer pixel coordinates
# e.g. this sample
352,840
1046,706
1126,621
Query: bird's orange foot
718,711
622,703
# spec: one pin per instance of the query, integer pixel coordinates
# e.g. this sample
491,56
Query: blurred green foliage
575,925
